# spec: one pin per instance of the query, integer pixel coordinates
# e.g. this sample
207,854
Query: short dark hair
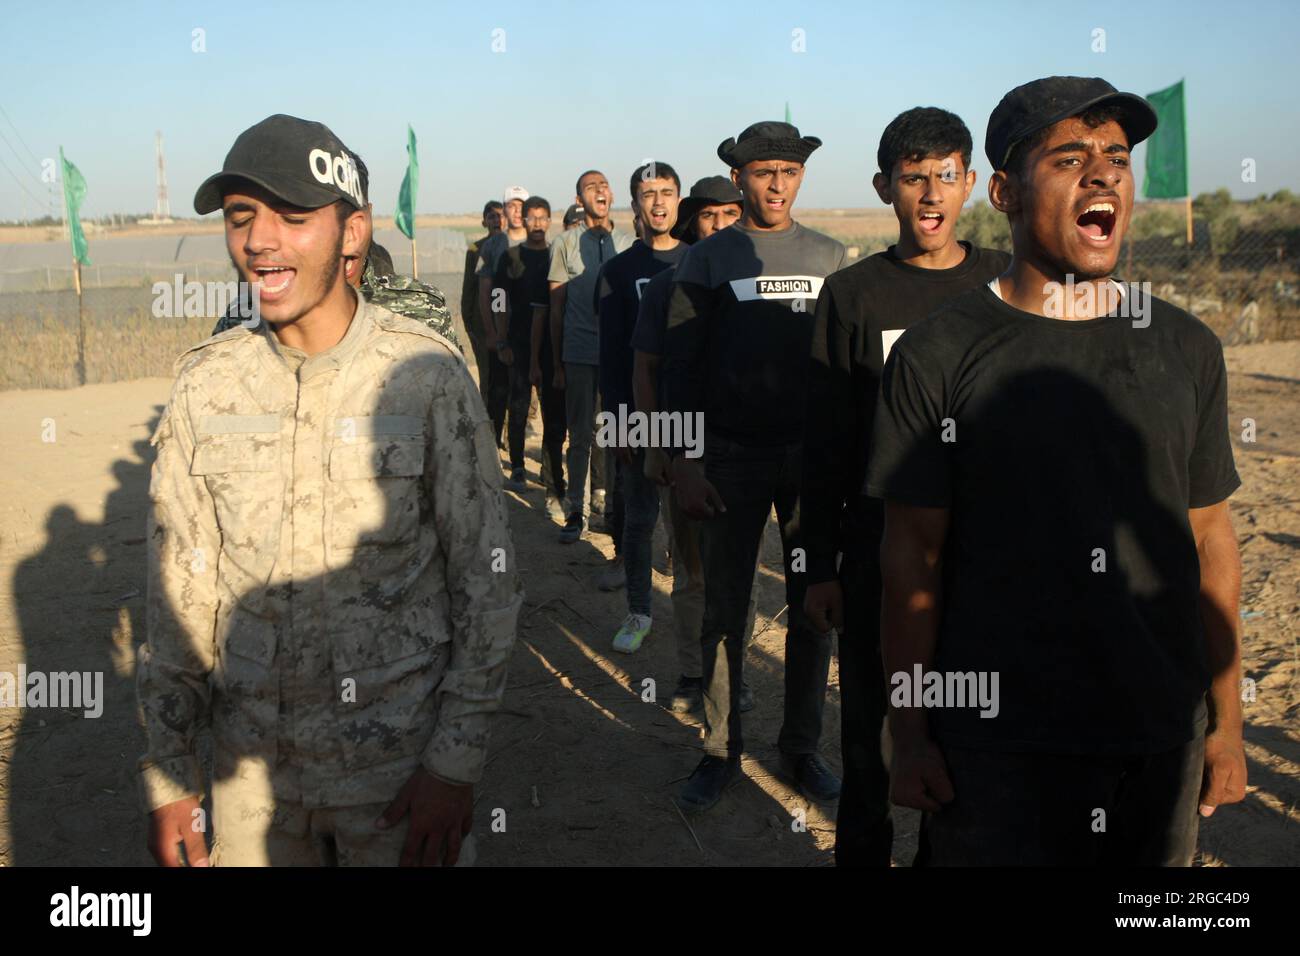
577,187
652,170
536,202
922,132
1091,118
490,205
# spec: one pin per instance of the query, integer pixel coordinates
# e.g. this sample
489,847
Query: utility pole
162,207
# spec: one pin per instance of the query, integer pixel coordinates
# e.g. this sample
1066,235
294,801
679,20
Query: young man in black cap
1054,456
714,203
924,162
656,192
325,508
739,334
521,272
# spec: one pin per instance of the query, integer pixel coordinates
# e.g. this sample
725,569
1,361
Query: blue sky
583,85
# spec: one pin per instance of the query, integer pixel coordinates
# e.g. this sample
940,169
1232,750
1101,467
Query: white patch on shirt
887,339
776,287
640,284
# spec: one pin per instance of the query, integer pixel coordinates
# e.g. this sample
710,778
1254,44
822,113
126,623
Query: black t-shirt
618,295
860,313
521,271
1056,445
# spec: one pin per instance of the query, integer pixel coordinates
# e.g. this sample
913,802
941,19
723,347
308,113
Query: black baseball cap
299,161
574,213
1041,103
709,191
766,140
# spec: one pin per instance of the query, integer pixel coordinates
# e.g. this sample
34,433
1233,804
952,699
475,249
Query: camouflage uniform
400,295
324,583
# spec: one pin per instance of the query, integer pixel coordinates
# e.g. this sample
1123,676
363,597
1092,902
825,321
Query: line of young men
1078,428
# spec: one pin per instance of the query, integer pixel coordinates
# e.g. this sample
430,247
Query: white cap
514,192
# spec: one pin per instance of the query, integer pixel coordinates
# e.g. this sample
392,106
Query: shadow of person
1127,666
72,791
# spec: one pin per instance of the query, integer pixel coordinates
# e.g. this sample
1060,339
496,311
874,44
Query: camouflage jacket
331,574
400,295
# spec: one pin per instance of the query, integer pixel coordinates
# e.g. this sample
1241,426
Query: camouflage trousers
253,828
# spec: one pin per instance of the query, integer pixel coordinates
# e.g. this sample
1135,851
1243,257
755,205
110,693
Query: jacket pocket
246,689
242,473
375,467
388,710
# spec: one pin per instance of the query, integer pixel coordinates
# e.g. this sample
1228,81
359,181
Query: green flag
404,218
74,191
1166,174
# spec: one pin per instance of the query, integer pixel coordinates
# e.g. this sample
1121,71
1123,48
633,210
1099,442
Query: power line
22,185
20,136
22,164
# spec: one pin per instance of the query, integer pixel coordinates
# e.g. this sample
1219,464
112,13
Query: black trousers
1033,809
751,481
864,829
554,426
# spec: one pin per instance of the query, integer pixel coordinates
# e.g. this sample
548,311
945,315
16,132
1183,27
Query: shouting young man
739,335
331,577
1061,577
924,173
656,192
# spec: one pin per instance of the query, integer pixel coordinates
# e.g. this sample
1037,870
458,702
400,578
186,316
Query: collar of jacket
332,358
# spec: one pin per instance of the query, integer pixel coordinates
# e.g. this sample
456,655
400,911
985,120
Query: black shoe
707,783
689,695
746,702
813,777
572,529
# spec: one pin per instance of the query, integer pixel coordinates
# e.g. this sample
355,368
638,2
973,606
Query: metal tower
162,209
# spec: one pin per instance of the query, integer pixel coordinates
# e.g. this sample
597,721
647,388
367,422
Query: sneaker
812,776
613,576
631,633
572,529
518,482
707,783
597,523
688,697
598,502
746,702
554,509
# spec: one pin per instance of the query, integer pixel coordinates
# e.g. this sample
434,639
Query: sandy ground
581,765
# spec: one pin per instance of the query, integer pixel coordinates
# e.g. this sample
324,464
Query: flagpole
81,324
415,258
1189,220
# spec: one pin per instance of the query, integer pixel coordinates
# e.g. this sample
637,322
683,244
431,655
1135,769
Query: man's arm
1225,759
911,560
645,379
464,480
535,338
177,656
559,291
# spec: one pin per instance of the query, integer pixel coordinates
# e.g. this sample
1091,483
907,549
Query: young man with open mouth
924,173
332,586
1056,475
739,335
576,258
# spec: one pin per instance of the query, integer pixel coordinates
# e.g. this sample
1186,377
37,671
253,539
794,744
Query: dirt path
582,766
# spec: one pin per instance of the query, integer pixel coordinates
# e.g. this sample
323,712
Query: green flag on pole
74,191
1166,173
404,218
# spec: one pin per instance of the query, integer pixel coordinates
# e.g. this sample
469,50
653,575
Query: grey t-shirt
576,258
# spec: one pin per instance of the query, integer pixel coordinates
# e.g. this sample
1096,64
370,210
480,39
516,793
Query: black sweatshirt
739,330
861,311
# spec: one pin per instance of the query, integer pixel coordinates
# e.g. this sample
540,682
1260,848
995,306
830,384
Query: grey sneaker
554,508
613,576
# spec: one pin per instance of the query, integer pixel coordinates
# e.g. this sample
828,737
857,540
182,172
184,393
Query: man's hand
507,356
824,605
696,496
656,466
172,825
1224,777
535,374
918,777
557,380
441,815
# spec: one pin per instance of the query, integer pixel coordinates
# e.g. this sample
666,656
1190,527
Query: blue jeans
640,512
